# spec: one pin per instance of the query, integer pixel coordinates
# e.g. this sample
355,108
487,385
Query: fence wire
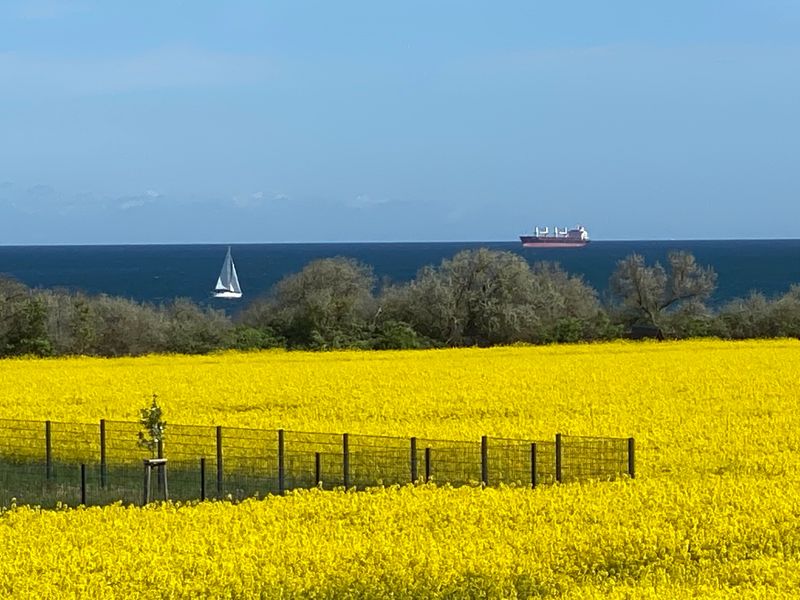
22,439
379,460
598,458
313,459
520,462
40,462
448,461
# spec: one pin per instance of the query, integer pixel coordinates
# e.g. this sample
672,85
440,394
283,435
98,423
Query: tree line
476,298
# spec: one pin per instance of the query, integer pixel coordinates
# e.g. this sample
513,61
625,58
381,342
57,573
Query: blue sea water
159,273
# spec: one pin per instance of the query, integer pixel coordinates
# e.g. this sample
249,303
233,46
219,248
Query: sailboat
228,282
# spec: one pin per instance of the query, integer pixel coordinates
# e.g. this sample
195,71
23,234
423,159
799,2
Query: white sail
228,281
234,280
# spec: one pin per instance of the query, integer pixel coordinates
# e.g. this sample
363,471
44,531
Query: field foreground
713,513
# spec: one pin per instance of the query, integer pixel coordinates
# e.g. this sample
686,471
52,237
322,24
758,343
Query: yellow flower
713,512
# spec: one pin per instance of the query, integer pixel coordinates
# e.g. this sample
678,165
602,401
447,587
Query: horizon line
374,242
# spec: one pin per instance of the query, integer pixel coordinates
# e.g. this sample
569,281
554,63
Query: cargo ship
558,238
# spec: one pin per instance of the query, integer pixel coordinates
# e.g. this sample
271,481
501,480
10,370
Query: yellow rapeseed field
714,511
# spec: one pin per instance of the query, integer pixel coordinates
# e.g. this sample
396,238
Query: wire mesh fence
593,457
447,461
378,460
46,463
311,459
519,462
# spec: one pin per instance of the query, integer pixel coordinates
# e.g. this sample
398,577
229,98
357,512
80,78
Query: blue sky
195,122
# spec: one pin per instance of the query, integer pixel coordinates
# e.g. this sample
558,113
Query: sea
161,273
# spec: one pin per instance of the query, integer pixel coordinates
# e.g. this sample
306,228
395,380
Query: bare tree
646,293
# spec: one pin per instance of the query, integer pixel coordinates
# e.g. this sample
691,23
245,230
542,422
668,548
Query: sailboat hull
227,294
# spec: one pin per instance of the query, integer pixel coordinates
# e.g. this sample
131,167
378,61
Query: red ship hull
530,241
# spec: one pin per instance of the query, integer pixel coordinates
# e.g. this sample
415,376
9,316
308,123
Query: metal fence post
485,461
534,469
427,465
281,464
558,458
48,450
631,458
103,464
203,478
219,460
346,460
83,484
414,474
318,469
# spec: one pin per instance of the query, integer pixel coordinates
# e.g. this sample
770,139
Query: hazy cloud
43,200
248,200
129,204
258,199
34,200
366,201
132,202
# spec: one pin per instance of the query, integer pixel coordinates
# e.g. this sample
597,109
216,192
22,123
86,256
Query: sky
299,121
